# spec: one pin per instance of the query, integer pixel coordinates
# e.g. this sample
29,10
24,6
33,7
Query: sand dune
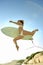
35,64
15,63
34,59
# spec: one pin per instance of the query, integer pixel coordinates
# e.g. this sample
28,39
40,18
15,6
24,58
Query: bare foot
17,48
36,29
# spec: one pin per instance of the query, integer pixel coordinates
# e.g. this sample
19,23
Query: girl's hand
10,21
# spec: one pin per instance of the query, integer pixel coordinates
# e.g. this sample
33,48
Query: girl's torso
20,30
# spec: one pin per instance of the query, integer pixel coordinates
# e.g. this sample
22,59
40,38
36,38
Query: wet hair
22,21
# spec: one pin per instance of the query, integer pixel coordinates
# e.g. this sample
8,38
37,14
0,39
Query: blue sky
31,11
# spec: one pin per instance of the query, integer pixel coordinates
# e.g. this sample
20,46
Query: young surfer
22,32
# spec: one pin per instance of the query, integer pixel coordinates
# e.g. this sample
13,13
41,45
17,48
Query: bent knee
14,39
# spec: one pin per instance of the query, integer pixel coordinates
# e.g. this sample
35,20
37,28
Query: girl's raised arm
14,22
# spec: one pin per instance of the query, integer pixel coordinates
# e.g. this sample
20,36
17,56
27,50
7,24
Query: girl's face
19,23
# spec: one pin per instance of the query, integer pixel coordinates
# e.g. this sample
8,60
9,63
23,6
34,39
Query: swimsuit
21,31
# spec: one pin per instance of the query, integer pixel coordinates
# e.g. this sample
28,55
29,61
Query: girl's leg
15,41
29,33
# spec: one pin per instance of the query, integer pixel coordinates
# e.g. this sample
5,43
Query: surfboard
13,32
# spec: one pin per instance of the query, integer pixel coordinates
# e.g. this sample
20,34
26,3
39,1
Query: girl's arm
14,22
